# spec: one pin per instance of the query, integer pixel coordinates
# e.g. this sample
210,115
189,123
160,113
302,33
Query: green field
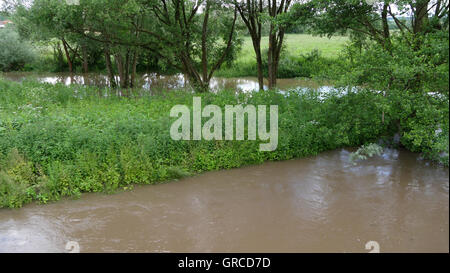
297,60
297,44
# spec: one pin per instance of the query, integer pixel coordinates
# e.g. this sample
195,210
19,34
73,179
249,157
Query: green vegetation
392,75
303,55
61,141
298,44
366,151
14,52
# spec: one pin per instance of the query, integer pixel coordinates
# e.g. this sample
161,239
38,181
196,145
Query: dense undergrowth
58,140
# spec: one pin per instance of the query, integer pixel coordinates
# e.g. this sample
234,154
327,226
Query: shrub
14,53
366,151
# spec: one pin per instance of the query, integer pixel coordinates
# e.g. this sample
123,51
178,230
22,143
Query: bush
415,87
366,151
14,53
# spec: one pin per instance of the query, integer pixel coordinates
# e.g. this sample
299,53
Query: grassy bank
60,141
303,55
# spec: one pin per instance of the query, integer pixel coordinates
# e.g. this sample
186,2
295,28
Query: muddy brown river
316,204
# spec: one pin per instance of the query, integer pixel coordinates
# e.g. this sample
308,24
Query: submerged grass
58,140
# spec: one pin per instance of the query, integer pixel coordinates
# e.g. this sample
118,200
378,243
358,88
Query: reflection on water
317,204
157,82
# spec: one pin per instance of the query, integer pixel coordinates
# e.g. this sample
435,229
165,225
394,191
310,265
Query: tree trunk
275,8
66,51
133,68
127,69
420,15
204,36
386,32
271,56
121,69
85,59
250,12
112,80
279,44
197,82
259,65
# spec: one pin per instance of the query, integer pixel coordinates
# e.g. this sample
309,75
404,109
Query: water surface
316,204
157,82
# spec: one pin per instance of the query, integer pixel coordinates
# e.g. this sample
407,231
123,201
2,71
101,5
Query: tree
196,37
278,15
276,10
45,20
251,12
414,19
408,67
15,52
371,18
200,41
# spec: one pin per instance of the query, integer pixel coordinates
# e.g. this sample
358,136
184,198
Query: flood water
156,82
317,204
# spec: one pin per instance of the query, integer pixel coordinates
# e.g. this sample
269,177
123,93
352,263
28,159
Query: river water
316,204
156,82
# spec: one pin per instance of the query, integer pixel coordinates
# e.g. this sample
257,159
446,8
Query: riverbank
58,140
